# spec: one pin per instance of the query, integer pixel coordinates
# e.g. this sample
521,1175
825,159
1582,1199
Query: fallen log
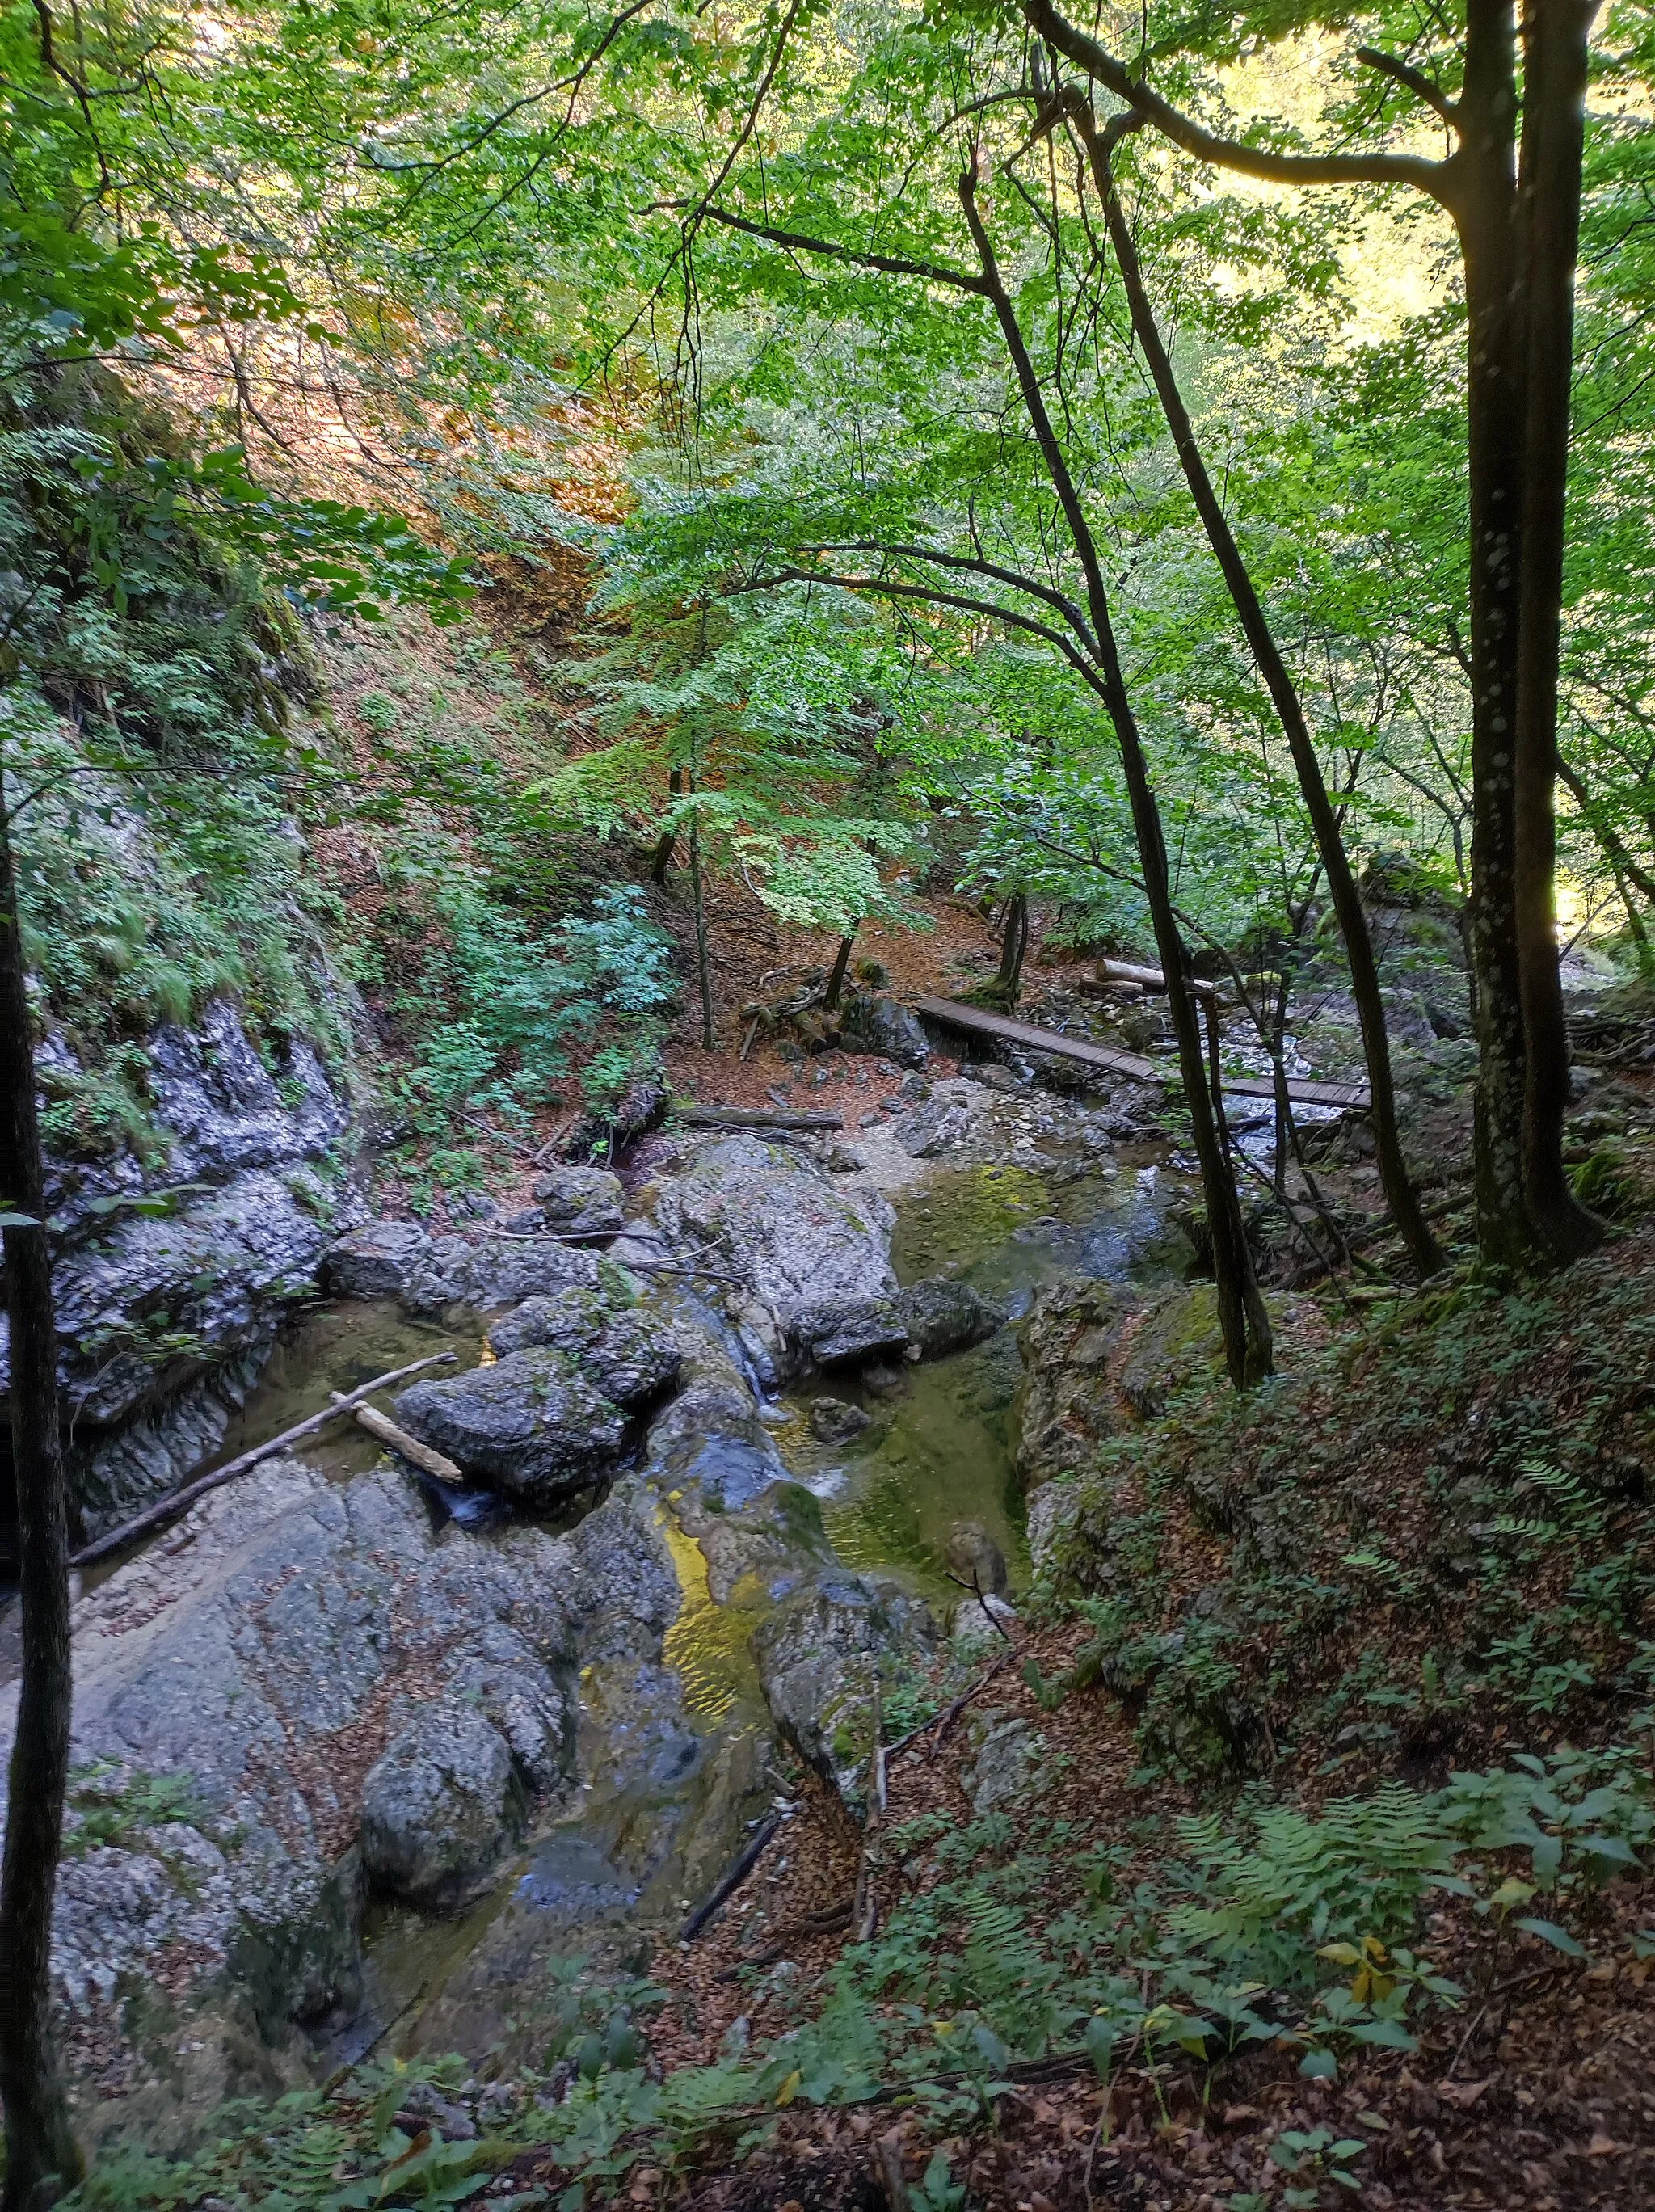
746,1860
409,1448
168,1509
756,1117
1151,979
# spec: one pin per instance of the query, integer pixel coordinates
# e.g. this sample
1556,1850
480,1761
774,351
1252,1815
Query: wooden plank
982,1024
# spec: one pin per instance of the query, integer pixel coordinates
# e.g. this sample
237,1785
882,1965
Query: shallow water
943,1446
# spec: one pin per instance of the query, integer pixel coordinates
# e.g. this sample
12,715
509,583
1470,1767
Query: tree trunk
1486,212
1400,1195
697,899
1014,945
836,981
1241,1314
41,2157
668,838
1554,127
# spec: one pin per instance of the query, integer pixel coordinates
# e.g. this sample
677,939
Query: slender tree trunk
668,838
1241,1314
1420,1244
1486,212
41,2158
703,964
1554,128
836,981
1014,945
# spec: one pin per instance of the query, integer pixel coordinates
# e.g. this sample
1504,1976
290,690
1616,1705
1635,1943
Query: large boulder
818,1657
871,1023
1070,1400
440,1806
630,1352
947,1316
490,1271
375,1261
775,1225
534,1425
580,1201
844,1332
1174,1338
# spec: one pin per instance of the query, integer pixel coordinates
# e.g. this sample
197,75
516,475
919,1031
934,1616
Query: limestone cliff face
173,1274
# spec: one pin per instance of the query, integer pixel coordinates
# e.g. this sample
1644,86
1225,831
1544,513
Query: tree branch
796,241
1412,80
887,587
1057,600
1432,176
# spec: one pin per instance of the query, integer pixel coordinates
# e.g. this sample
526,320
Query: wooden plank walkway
980,1022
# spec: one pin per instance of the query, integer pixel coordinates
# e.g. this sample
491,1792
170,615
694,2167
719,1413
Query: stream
672,1766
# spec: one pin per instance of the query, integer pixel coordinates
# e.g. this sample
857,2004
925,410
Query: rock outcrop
818,1655
237,1689
788,1240
168,1315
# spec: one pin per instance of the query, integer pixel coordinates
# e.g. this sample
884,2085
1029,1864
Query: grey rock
440,1806
834,1421
253,1656
488,1272
534,1425
914,1089
773,1220
845,1159
947,1316
1070,1397
581,1202
525,1221
154,1311
632,1352
375,1261
935,1129
1005,1755
871,1023
818,1658
838,1332
976,1559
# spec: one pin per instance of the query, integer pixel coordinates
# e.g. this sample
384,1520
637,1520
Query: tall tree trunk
1400,1195
41,2157
1554,128
1486,212
668,838
1014,945
1241,1314
703,959
836,980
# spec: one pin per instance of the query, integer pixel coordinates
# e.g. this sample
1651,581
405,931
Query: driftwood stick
944,1720
168,1509
741,1867
757,1117
410,1448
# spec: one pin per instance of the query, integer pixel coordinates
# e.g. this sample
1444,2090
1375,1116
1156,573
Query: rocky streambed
357,1761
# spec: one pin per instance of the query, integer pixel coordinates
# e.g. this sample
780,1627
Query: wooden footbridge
976,1021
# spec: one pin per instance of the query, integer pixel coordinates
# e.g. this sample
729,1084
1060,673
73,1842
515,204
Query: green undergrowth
146,713
509,971
1316,1937
1435,1535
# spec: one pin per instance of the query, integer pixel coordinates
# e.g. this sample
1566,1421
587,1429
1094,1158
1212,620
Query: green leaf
1319,2066
1550,1932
